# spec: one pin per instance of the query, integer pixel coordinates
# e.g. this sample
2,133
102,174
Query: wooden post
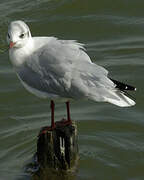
57,151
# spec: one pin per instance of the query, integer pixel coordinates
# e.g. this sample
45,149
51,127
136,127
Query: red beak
11,44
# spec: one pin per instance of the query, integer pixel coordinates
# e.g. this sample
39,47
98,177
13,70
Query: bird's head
18,34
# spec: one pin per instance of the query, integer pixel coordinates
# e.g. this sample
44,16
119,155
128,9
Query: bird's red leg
52,126
52,106
68,112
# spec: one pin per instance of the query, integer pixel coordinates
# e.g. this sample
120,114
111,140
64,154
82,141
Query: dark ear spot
28,33
8,35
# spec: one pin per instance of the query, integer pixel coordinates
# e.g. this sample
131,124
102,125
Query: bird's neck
19,55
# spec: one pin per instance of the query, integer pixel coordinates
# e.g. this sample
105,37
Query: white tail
120,100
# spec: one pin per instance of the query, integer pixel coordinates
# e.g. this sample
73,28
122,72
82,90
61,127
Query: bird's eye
8,36
22,36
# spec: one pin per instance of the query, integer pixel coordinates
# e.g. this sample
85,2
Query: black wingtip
122,86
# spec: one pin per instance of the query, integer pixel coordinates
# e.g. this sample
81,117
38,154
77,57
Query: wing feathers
123,87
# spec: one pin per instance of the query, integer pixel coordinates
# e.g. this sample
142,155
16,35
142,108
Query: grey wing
48,69
90,80
63,55
63,69
45,81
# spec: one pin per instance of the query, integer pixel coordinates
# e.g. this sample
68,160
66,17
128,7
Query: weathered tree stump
57,151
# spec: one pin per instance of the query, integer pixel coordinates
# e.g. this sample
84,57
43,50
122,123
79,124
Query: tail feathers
115,97
120,92
115,94
121,100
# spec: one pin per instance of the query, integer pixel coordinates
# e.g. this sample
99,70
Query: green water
111,139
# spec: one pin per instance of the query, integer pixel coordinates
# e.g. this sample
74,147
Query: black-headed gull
49,67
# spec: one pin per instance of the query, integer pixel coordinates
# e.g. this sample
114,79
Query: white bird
53,68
